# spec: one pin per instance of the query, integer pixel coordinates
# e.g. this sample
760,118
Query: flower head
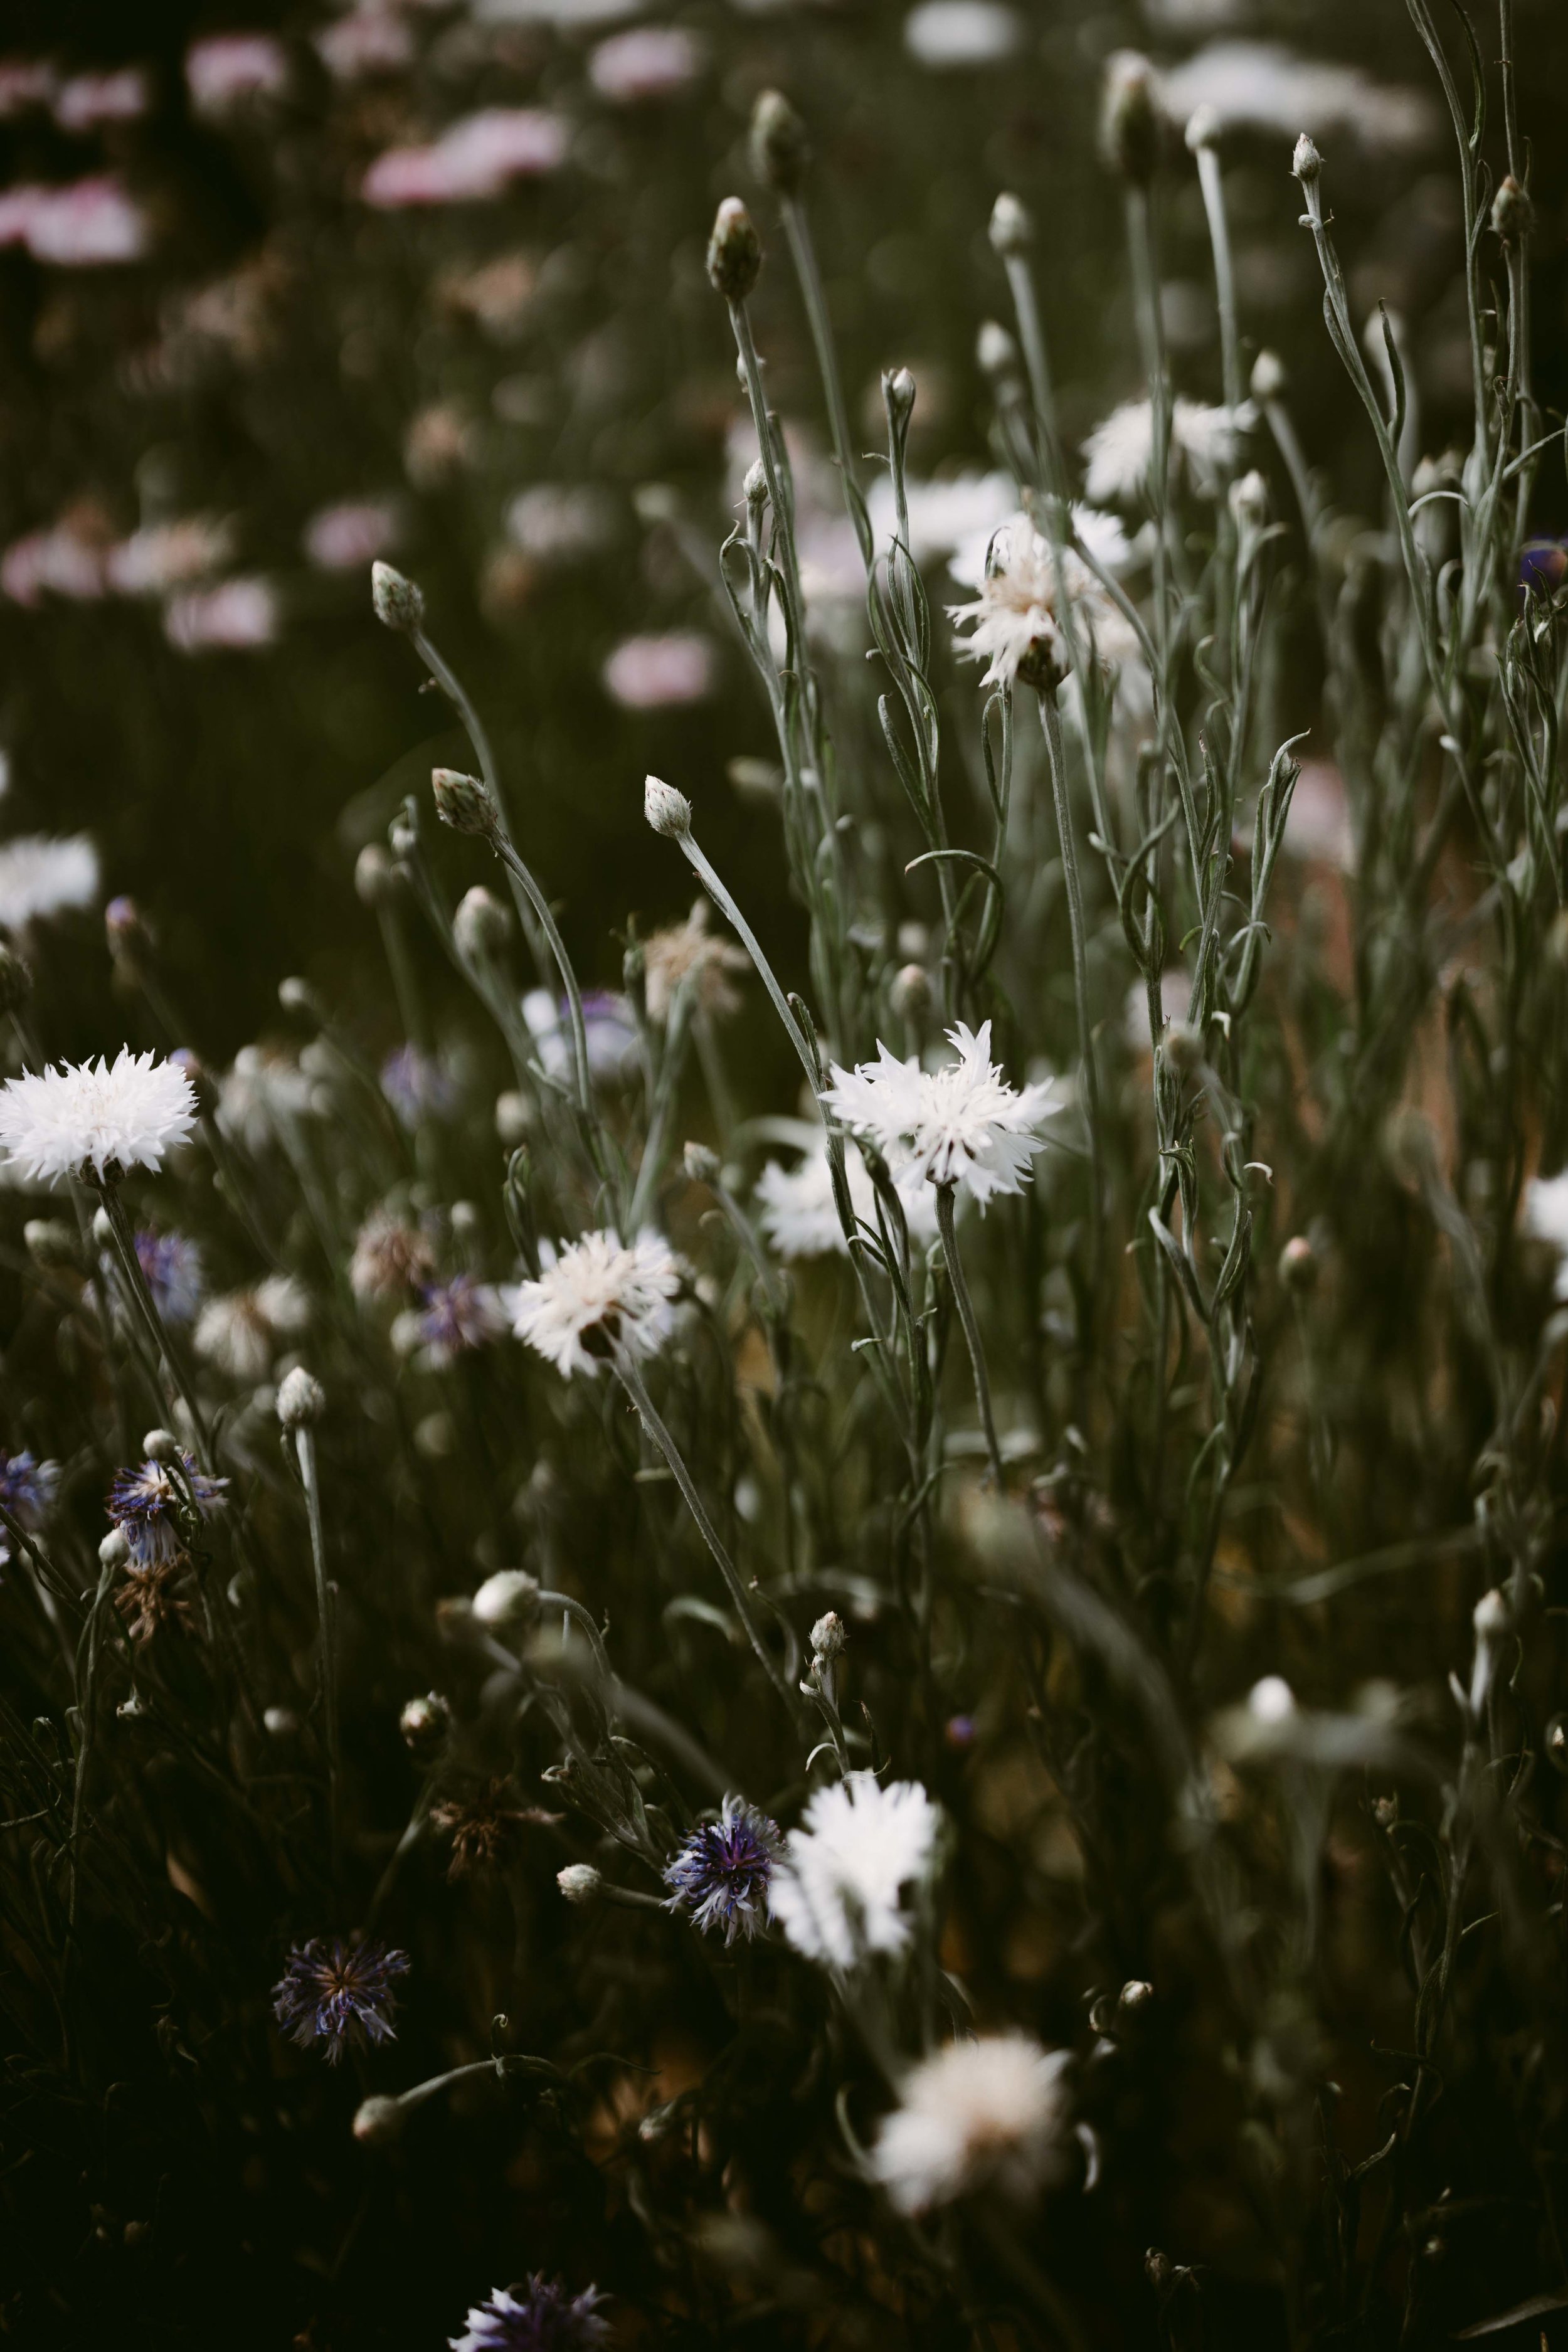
455,1316
75,1116
797,1213
390,1256
338,1993
148,1503
1015,623
483,1826
536,2315
601,1292
987,2114
41,877
836,1891
1205,444
690,951
721,1872
1546,1220
962,1125
27,1490
418,1087
172,1267
607,1025
238,1333
262,1095
156,1597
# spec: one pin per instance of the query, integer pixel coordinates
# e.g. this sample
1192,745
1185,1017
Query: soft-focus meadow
781,1555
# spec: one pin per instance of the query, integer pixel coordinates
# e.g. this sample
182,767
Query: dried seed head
580,1882
1307,164
462,801
735,251
424,1724
399,604
301,1400
1012,227
481,925
1513,214
1130,119
667,811
1269,379
780,144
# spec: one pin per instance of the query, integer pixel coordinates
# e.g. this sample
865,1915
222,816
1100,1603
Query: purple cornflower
145,1503
337,1994
28,1489
1542,566
607,1028
462,1313
172,1267
721,1872
418,1088
535,2315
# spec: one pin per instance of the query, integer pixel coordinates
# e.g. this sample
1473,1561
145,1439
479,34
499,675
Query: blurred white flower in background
236,617
561,523
797,1211
1263,86
230,70
40,876
988,2115
1546,1220
662,672
262,1094
240,1333
1206,446
164,555
948,35
366,41
472,161
80,225
652,61
352,533
90,99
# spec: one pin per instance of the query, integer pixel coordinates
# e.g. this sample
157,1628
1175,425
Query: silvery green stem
947,1226
305,1455
797,235
84,1711
778,495
452,686
1050,719
636,1387
1032,342
1211,183
163,1345
503,844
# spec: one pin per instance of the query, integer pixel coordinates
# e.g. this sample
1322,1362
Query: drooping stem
636,1387
947,1226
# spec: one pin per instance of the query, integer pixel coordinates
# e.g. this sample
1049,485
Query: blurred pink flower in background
352,534
1318,826
76,227
23,82
231,69
651,61
164,555
369,41
65,560
91,99
237,615
658,673
472,160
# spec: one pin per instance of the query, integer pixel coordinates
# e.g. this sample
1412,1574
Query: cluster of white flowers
796,1210
95,1115
1206,446
961,1125
980,2115
598,1293
838,1892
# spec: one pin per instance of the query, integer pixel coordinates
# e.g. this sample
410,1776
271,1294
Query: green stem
947,1225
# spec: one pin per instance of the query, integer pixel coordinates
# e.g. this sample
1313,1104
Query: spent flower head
962,1124
338,1993
723,1872
96,1116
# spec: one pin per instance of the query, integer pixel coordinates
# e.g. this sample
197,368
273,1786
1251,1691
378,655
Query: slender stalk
802,254
305,1455
1211,183
500,841
147,1307
947,1225
1050,719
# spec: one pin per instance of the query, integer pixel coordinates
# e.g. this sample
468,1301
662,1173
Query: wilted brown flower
149,1600
483,1826
688,947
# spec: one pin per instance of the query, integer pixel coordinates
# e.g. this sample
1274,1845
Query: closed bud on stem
424,1724
481,925
1250,500
1135,1994
399,604
1307,164
301,1400
828,1638
1012,230
755,485
702,1165
580,1883
910,992
780,144
1203,130
1513,215
667,811
103,1229
377,2120
16,980
462,801
898,394
1182,1044
375,877
510,1597
53,1244
161,1445
296,995
997,354
735,251
126,930
1130,120
1269,379
114,1551
1299,1265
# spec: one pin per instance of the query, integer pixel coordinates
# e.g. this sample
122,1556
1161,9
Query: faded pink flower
651,61
472,160
237,615
66,560
84,223
23,82
91,99
353,533
658,673
229,70
164,555
369,41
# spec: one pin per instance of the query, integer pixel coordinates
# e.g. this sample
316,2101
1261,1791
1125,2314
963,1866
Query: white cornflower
61,1121
40,876
1546,1220
601,1291
797,1212
1205,446
265,1091
837,1892
962,1125
240,1333
1264,86
1014,622
988,2115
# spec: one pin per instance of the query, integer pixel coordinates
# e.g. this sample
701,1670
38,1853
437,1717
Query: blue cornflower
28,1489
536,2316
721,1872
457,1315
173,1267
145,1503
337,1994
417,1086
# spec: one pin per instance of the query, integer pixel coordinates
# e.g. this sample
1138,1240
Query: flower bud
103,1229
1513,213
424,1724
375,877
462,801
1307,164
580,1882
114,1551
910,992
1129,129
279,1722
162,1445
702,1165
511,1118
1157,2270
127,930
667,811
1012,230
996,353
399,604
301,1400
1269,379
377,2120
481,925
16,980
1556,1743
1271,1700
899,393
52,1244
828,1638
1135,1994
1299,1265
507,1597
1249,501
296,995
1385,1812
735,251
1182,1044
754,489
780,144
1203,130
